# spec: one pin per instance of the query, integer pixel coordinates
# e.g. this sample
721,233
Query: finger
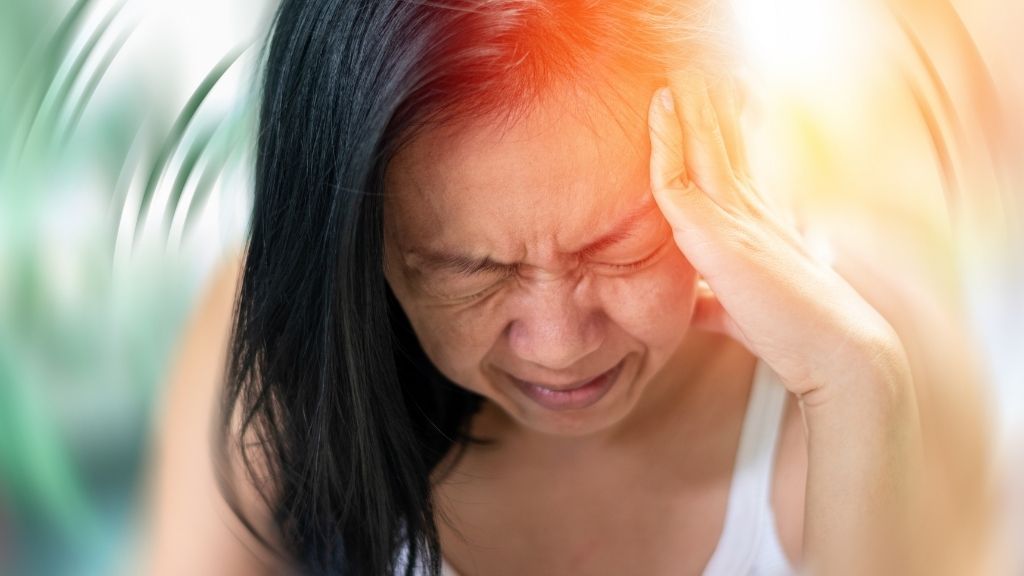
705,155
691,212
724,98
668,169
723,95
696,219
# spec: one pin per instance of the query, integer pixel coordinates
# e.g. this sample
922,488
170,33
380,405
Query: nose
556,325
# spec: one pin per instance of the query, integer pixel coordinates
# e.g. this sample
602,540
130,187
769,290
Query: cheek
455,342
656,307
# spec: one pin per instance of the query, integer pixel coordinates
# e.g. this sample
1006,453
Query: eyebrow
467,264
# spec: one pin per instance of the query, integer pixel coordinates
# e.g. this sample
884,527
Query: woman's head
535,252
389,131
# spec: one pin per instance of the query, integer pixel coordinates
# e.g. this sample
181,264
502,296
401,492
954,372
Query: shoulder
192,527
204,343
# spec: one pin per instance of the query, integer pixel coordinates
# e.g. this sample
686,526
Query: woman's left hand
766,290
826,343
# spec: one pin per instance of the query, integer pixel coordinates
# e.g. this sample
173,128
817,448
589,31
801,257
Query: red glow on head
498,58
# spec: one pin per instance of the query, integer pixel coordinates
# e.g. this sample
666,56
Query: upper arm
191,529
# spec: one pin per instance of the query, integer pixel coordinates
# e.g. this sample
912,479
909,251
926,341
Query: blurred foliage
113,195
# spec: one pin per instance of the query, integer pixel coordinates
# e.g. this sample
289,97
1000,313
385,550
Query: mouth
572,396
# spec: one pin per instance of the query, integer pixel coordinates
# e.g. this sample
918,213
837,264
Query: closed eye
471,282
637,264
632,265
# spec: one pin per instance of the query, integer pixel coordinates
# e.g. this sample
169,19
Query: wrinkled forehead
576,153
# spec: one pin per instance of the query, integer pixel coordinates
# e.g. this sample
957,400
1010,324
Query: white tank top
749,544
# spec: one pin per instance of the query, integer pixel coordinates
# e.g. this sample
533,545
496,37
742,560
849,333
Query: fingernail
665,95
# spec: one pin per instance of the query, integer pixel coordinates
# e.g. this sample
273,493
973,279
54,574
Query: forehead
552,179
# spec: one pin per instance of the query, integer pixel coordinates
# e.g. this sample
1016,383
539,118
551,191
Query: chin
586,422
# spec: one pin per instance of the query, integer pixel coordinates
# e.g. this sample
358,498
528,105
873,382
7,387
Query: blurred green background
125,145
124,138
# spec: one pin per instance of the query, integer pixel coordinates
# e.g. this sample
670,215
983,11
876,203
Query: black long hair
326,380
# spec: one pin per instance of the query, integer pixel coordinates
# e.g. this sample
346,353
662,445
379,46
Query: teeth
549,392
563,387
567,388
556,390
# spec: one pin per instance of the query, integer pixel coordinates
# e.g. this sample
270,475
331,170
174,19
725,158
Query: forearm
864,469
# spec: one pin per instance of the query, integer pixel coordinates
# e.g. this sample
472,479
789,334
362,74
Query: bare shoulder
191,528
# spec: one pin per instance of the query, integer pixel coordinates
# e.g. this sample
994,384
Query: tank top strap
749,524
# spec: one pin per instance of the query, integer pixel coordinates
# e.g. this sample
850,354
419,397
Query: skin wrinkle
426,261
435,198
534,196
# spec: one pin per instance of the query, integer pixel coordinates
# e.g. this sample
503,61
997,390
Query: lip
572,397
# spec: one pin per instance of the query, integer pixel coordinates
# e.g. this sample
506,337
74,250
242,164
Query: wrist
870,367
864,463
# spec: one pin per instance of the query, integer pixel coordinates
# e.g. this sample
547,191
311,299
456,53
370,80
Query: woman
513,304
